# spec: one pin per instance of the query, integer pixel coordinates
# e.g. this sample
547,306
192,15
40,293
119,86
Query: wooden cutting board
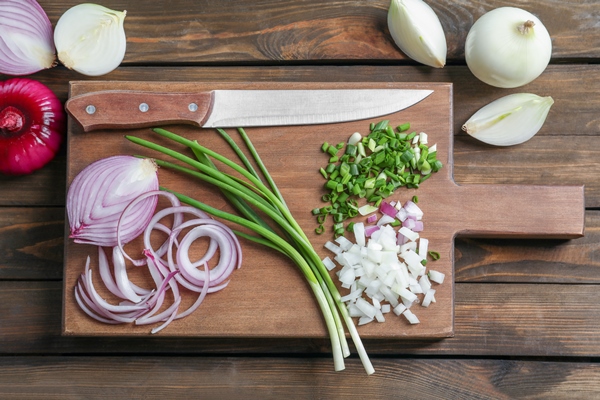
268,297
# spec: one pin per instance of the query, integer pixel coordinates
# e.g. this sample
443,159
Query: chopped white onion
330,265
335,249
384,268
436,276
412,318
428,298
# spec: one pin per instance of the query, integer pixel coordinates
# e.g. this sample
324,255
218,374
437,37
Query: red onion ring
152,222
143,306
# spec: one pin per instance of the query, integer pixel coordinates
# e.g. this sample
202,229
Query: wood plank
217,32
534,261
39,253
274,378
32,243
520,320
573,120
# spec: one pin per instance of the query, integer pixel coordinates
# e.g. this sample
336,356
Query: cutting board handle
521,211
126,109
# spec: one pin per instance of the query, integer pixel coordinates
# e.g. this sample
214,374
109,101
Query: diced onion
436,276
384,268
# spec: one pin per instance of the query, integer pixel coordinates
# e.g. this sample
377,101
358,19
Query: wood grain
274,378
34,241
526,314
491,320
313,30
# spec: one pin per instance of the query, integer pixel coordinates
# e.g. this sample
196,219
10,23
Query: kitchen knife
236,108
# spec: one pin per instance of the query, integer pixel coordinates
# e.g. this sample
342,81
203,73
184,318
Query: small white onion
417,31
509,120
90,39
508,47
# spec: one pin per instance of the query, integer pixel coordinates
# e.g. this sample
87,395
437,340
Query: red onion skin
32,125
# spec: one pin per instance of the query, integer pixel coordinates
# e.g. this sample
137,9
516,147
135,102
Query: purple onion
26,38
100,193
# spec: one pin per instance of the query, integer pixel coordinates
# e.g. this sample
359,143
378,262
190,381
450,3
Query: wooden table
526,311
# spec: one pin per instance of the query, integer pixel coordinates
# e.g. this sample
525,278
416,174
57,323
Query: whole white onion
508,47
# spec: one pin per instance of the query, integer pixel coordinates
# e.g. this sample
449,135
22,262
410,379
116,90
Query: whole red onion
32,124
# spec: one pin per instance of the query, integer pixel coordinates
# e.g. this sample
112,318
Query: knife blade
123,109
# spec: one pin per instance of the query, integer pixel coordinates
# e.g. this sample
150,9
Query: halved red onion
100,193
26,38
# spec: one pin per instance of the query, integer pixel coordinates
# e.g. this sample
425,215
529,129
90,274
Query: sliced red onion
26,38
106,276
152,224
123,282
145,306
100,193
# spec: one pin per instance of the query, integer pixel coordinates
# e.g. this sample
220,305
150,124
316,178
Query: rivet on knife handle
126,109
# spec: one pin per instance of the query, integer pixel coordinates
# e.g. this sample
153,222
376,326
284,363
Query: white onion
381,270
417,31
509,120
90,39
508,47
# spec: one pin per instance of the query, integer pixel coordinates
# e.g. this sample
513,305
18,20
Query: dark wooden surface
526,311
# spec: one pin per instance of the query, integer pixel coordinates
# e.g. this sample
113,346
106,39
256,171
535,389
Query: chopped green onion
323,172
403,127
378,164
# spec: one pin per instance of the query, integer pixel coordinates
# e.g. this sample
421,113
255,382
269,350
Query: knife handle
127,109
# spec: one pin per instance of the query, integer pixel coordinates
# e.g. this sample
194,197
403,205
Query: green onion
434,255
323,172
249,193
377,165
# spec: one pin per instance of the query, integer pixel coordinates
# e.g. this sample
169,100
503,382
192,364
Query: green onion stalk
249,194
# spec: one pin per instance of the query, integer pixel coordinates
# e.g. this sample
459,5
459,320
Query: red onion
143,306
100,193
370,229
387,209
26,38
32,122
